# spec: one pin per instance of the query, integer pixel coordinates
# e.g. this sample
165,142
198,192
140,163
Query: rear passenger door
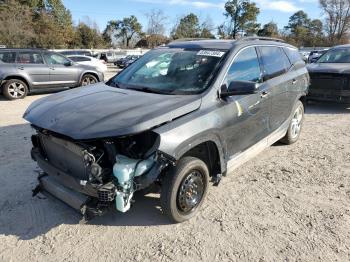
275,65
31,64
297,75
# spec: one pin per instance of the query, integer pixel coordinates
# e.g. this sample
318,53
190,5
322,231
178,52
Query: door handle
294,81
52,68
21,68
264,94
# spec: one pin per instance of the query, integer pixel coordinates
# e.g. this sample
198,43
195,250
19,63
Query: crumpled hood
340,68
102,111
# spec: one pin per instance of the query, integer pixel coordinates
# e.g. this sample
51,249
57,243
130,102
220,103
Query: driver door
62,73
248,114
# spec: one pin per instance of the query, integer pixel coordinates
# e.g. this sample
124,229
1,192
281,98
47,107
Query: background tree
207,27
337,14
269,30
156,22
126,30
88,36
16,26
151,41
155,33
302,31
242,15
188,27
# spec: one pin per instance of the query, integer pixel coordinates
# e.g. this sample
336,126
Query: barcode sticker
211,53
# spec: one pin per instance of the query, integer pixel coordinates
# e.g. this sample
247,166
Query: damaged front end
93,176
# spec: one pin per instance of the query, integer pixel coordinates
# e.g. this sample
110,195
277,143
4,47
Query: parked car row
126,61
101,65
111,56
75,52
27,70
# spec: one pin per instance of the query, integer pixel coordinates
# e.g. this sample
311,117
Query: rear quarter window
293,55
8,57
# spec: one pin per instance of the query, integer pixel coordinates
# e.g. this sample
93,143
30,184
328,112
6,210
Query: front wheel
295,125
88,80
184,189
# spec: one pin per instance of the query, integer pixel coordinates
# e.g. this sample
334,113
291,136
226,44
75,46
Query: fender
89,72
185,133
209,136
18,76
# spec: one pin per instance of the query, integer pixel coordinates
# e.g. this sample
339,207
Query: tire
190,177
295,125
15,89
88,79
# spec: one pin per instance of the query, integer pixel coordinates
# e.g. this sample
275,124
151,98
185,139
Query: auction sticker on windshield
211,53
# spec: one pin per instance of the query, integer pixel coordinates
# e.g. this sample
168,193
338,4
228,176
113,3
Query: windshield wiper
149,90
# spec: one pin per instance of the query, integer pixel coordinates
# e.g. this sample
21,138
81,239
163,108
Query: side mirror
68,63
239,88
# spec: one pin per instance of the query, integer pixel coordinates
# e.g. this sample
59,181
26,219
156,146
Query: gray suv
180,117
26,70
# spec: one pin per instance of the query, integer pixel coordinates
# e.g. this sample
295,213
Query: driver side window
245,67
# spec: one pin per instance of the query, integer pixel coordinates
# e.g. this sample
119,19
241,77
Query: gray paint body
182,122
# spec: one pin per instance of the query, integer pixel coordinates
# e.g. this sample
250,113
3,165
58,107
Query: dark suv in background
330,76
179,117
27,70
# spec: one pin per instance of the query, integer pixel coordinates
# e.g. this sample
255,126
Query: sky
103,11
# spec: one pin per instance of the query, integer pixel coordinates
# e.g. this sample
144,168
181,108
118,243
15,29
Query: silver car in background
25,70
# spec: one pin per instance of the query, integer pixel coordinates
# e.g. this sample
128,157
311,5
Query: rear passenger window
8,57
245,67
29,58
275,61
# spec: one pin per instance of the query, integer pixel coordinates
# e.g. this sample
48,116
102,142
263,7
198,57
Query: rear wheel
295,125
184,189
88,80
15,89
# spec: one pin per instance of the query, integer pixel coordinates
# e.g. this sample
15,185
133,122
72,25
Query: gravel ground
289,203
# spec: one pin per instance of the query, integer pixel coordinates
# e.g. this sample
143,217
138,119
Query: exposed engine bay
94,176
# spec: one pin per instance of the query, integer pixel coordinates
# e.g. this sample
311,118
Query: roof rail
190,39
261,38
20,48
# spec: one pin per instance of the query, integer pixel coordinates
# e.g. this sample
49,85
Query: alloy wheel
16,90
88,80
296,122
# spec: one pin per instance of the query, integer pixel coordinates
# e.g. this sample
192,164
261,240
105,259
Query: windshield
170,71
339,55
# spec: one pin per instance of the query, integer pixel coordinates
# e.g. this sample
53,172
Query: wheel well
18,78
303,100
93,74
209,154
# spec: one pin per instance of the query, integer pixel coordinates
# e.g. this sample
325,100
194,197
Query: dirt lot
289,203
